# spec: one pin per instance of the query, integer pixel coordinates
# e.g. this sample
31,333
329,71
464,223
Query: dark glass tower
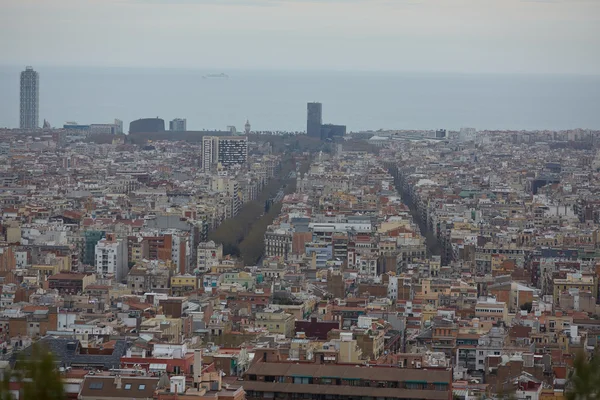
314,120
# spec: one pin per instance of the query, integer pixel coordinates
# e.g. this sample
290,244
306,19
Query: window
128,386
142,387
96,385
414,385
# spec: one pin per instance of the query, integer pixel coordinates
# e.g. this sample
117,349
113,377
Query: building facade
314,120
178,125
209,254
30,99
224,150
111,257
326,379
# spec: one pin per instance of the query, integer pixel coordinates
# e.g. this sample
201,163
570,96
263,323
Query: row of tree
243,236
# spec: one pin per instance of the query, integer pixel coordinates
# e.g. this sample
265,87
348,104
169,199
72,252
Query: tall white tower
247,127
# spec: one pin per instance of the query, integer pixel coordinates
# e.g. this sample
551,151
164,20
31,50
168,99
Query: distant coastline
276,100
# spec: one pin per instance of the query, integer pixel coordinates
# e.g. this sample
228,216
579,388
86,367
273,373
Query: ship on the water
221,75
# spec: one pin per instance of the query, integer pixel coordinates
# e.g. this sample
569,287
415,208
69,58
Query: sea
276,100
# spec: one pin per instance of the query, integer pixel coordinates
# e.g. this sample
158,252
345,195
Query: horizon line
296,69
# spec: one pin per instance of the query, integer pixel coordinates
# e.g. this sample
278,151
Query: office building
315,127
104,129
30,99
147,125
178,125
314,120
440,134
331,131
233,150
75,127
119,126
224,150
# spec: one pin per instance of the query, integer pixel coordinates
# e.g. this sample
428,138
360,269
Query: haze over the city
469,36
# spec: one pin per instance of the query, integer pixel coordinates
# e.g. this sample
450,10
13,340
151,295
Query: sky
464,36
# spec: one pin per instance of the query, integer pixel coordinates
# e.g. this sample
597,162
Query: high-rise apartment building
30,99
225,150
178,125
209,148
314,119
111,257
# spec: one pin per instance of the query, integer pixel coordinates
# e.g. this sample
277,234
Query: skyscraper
178,125
209,150
30,99
314,120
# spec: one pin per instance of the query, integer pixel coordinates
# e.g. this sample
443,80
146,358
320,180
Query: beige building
165,329
574,281
349,352
276,321
491,310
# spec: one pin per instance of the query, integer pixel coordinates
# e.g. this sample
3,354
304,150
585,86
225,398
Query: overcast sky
548,36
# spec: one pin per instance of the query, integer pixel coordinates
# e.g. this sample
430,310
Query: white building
181,251
106,129
119,125
467,134
111,257
209,148
209,254
178,125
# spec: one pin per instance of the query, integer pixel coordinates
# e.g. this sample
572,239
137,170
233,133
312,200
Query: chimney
118,381
197,367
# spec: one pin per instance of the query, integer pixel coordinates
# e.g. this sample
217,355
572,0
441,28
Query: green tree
5,387
527,306
38,376
584,380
